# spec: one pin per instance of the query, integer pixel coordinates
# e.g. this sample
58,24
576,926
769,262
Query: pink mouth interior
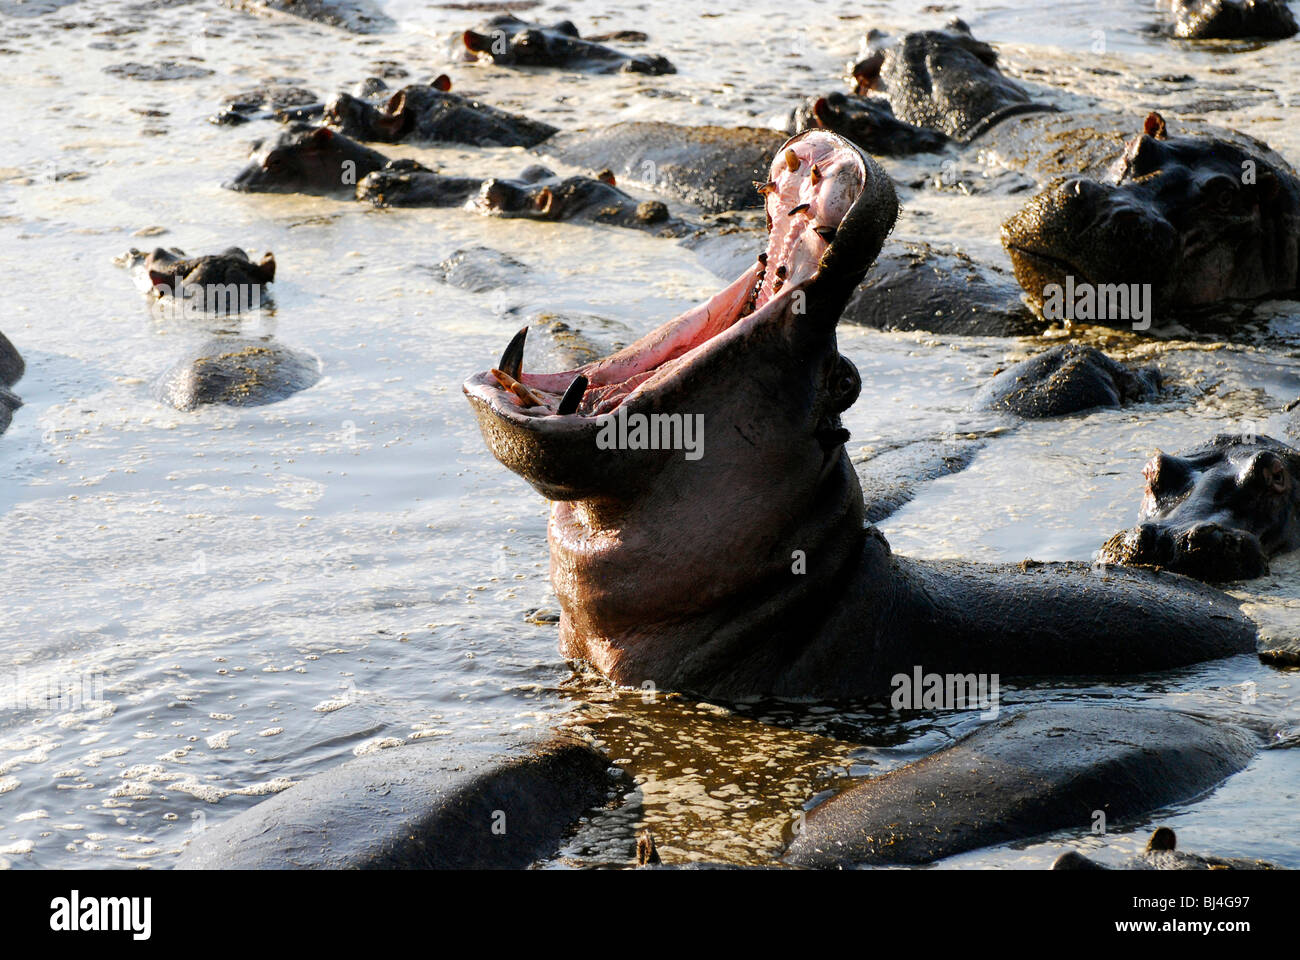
813,184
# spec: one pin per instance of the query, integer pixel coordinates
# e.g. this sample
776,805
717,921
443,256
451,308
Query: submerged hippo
1181,222
707,527
409,183
1230,19
268,99
236,372
1217,512
1162,853
867,121
354,16
715,168
225,282
11,371
539,194
1063,380
508,41
307,159
430,113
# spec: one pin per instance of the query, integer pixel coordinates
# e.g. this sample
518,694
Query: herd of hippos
678,572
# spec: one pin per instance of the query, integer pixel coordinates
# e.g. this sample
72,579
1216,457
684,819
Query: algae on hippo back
236,372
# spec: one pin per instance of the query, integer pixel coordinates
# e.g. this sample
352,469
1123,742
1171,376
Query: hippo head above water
387,121
1217,512
943,80
538,194
748,383
1198,219
1231,19
306,159
867,121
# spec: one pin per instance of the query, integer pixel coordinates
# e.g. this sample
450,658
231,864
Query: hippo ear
821,111
268,266
396,104
443,83
566,27
607,176
1154,126
866,73
322,136
476,42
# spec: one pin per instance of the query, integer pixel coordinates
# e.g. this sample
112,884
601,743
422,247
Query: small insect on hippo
1218,512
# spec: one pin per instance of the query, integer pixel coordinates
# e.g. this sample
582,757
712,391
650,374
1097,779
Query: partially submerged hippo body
802,599
236,372
307,159
430,113
508,41
1230,19
409,183
11,371
354,16
1162,853
267,99
1038,770
1180,222
1218,512
714,168
1063,380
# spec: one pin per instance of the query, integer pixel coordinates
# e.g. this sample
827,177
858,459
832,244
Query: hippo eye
273,162
1219,192
1267,473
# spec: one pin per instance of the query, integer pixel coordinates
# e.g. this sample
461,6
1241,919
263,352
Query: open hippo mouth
824,199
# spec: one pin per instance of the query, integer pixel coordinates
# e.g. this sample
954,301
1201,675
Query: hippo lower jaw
1205,551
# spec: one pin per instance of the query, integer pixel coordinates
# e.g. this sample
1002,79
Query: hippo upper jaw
779,315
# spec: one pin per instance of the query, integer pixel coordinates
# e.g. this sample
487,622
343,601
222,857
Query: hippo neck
643,608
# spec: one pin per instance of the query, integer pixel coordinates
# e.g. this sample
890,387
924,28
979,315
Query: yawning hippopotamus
1181,222
509,41
1230,19
306,159
430,113
743,566
1217,512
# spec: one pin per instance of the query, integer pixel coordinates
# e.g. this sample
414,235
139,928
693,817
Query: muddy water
200,608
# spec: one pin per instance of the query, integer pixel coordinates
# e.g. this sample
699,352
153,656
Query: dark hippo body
1162,854
1218,512
306,159
714,168
354,16
508,41
225,282
429,113
12,368
802,598
539,194
416,807
1191,220
407,183
238,373
1063,380
1043,769
1230,19
918,286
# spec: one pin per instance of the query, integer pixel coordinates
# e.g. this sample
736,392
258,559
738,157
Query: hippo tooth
572,396
765,188
791,161
814,174
525,396
826,233
802,208
512,360
781,271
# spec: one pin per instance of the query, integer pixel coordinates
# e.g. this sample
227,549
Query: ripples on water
245,597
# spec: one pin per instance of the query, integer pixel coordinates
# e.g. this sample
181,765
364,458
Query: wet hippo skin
1043,769
419,806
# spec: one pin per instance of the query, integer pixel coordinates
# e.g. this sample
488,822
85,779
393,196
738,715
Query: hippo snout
1206,551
